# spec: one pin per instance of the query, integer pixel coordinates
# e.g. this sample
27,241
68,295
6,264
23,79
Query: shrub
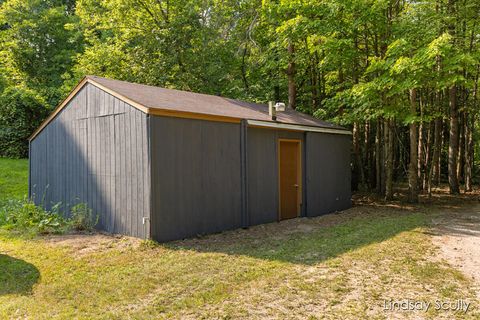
82,218
21,112
24,215
8,208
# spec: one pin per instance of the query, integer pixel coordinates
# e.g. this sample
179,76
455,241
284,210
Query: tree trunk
420,153
469,133
461,144
378,156
369,156
427,164
469,125
388,127
437,148
292,88
244,67
429,180
412,167
314,81
357,165
383,156
453,142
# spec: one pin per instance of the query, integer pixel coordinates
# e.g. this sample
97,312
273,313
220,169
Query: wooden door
289,170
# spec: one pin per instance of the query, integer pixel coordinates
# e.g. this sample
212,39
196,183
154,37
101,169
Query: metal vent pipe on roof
272,111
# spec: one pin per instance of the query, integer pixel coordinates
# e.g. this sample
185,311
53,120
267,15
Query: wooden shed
168,164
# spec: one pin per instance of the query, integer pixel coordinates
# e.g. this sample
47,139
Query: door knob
295,185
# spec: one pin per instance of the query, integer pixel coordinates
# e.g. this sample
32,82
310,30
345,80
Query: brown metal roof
152,97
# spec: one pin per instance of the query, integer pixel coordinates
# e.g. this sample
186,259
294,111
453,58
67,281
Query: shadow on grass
16,276
308,241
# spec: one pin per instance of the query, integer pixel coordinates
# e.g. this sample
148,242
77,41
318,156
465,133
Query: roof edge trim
139,106
178,114
59,108
74,92
192,115
295,127
131,102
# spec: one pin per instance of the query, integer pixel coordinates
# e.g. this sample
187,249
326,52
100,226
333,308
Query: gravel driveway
457,235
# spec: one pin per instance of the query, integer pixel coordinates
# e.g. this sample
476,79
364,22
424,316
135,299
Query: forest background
402,75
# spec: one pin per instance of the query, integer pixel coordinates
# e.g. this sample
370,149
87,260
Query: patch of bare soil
285,228
457,235
84,244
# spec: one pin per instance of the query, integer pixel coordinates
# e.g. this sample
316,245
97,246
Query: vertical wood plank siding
196,185
262,176
328,173
263,173
95,152
244,173
185,176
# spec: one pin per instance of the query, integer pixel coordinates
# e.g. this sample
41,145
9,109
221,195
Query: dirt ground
457,235
455,228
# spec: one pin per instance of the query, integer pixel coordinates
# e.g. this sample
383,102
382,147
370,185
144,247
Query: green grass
335,266
13,178
345,269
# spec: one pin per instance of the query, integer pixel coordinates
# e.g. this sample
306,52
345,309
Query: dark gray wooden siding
186,176
95,151
328,173
325,166
262,168
262,179
196,185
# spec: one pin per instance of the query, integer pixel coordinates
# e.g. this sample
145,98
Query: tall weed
82,218
24,215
